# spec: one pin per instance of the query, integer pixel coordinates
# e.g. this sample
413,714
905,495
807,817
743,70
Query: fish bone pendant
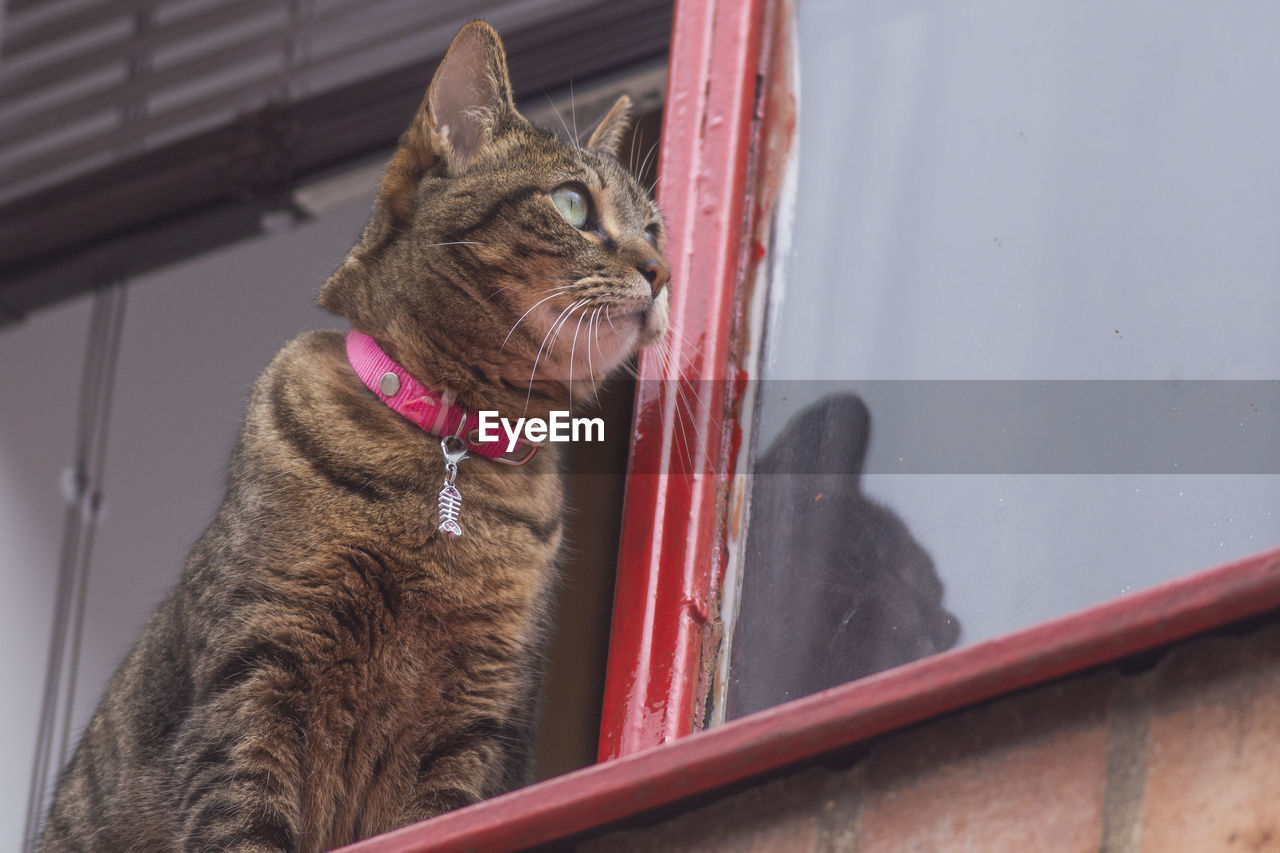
450,503
450,500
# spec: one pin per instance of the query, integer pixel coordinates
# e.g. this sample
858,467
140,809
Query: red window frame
673,528
675,524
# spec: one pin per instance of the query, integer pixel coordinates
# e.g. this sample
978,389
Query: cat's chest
416,649
441,607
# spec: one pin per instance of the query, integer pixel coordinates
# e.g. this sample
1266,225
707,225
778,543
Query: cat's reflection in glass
835,587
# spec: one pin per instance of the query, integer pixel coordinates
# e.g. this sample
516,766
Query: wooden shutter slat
43,75
243,94
20,38
111,96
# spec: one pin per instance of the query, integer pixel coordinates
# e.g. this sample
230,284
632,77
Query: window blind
134,132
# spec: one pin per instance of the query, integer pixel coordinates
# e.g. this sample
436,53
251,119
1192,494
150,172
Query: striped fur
329,666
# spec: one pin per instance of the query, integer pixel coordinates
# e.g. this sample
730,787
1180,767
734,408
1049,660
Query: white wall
195,337
39,382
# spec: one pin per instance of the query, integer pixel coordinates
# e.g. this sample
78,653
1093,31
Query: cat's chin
653,322
648,317
641,328
653,328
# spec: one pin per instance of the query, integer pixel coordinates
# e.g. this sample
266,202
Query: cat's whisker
683,434
631,158
689,417
583,303
573,349
591,371
595,391
571,135
573,114
538,357
673,329
662,347
644,164
686,409
556,326
592,336
694,402
667,351
692,399
561,318
629,367
572,283
603,309
557,292
556,334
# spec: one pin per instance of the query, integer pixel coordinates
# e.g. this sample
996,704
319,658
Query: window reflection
835,585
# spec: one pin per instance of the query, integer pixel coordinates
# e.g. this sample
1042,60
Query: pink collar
436,413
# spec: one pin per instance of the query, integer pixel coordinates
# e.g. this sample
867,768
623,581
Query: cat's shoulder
311,349
312,360
308,389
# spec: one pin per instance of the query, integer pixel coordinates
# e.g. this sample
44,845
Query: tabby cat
332,665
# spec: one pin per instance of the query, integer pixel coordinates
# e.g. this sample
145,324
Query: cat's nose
656,273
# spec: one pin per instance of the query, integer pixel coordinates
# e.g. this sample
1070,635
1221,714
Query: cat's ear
609,132
468,102
469,96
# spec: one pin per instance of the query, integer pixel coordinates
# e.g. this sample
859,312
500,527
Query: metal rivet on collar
389,384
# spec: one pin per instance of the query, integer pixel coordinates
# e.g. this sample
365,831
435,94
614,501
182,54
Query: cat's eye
651,235
572,204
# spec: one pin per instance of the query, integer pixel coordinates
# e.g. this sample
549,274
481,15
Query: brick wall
1182,754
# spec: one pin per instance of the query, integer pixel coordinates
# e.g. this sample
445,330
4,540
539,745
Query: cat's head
497,246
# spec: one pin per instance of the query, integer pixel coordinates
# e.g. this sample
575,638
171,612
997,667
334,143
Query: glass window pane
1061,194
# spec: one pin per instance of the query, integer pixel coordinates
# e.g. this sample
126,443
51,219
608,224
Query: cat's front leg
239,760
461,771
238,792
493,752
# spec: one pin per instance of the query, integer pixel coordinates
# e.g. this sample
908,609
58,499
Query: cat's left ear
470,96
607,136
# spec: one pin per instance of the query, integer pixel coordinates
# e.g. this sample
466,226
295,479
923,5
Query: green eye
572,205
